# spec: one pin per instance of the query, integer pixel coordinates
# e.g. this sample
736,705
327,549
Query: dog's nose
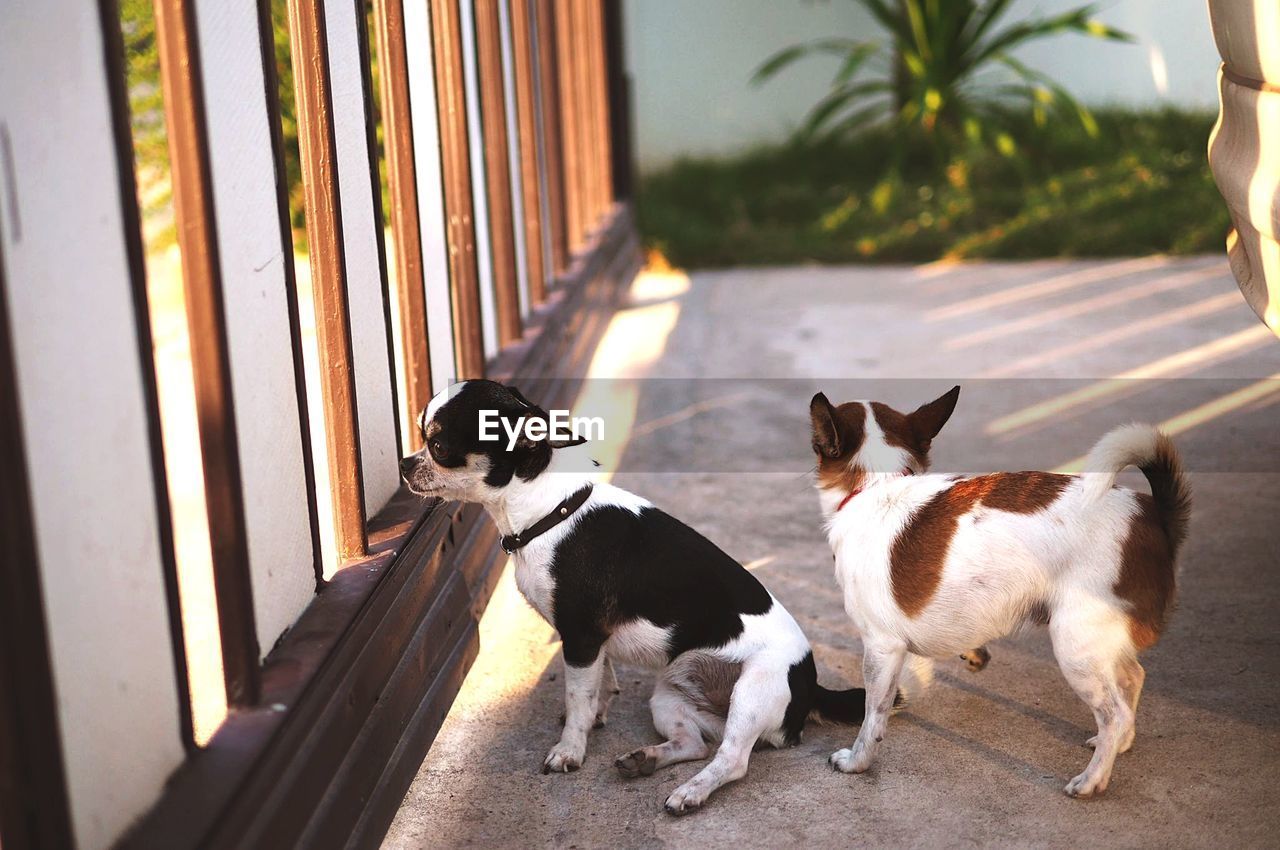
408,464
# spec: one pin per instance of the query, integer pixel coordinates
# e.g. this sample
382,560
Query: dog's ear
532,411
531,456
927,420
520,396
523,409
524,442
826,436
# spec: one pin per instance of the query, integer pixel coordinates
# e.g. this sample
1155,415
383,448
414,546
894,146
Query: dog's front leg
608,690
581,701
882,661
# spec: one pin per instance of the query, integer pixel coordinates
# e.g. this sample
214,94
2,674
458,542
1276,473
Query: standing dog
620,579
932,565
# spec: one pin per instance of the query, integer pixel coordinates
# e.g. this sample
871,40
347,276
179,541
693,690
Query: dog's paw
977,659
562,759
1087,784
684,800
853,760
636,763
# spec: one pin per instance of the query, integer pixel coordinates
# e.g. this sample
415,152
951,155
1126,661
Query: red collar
845,500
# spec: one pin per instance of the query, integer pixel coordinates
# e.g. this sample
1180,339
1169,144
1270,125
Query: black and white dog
620,579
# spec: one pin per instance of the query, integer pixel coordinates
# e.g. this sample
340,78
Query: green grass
1141,186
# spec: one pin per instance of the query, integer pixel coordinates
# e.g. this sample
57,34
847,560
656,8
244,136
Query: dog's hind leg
608,690
1085,649
1130,676
757,706
679,721
882,663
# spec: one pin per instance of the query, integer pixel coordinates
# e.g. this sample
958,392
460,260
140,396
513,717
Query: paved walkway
982,760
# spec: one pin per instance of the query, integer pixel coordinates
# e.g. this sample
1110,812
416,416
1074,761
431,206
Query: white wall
71,310
691,63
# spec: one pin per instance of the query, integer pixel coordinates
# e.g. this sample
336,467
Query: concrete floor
983,758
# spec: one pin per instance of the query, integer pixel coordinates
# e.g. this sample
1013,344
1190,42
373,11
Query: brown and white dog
934,565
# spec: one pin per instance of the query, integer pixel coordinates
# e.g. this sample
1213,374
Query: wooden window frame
271,93
599,59
402,188
35,806
497,170
192,179
351,697
464,283
552,130
342,693
570,101
530,145
317,149
477,136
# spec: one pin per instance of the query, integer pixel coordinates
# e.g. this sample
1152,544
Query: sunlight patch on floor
634,340
1062,353
1125,382
1256,395
1044,288
1105,301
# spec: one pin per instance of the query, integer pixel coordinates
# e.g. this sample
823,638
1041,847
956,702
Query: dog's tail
848,707
1153,452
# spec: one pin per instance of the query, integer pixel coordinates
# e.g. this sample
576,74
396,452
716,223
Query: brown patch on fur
920,549
899,433
834,473
1146,581
1014,492
1024,492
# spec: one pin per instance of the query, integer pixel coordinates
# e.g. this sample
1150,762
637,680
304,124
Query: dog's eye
436,448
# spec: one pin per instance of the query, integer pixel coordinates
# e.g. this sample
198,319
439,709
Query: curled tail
1153,452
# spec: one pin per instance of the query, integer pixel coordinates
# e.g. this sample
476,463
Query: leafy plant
1142,185
946,72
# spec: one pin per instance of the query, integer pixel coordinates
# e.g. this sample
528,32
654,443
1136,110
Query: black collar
560,513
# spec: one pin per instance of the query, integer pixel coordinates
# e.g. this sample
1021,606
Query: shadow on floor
720,439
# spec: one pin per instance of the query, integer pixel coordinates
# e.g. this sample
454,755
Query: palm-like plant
940,71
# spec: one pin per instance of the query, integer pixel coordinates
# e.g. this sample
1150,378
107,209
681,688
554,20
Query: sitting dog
932,565
620,579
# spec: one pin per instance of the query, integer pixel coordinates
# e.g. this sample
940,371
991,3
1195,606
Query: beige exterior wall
70,296
691,63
